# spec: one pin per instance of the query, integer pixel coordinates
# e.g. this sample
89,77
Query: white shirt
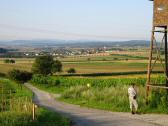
131,92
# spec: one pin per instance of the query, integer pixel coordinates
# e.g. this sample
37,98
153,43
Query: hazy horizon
75,20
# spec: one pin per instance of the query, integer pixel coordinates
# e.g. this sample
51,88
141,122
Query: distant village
63,52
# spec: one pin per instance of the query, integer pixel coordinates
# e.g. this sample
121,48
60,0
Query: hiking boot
133,112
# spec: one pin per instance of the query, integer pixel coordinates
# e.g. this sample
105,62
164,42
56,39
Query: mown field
16,108
95,64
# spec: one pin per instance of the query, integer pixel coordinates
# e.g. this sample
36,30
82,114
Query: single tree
43,65
57,66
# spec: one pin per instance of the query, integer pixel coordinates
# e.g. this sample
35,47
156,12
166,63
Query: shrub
20,76
71,70
9,61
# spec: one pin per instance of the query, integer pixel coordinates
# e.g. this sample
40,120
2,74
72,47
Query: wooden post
166,61
2,100
34,111
166,58
149,65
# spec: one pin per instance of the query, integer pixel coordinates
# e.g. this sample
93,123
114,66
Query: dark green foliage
9,61
43,65
46,65
57,66
20,76
71,70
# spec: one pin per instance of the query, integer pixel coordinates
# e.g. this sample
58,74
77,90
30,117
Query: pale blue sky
75,19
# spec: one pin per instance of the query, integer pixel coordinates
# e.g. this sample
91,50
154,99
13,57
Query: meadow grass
20,114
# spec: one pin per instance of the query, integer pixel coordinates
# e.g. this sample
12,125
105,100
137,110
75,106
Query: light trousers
133,104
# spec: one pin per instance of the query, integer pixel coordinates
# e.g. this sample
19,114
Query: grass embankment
17,108
107,94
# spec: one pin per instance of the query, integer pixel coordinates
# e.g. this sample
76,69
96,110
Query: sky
75,19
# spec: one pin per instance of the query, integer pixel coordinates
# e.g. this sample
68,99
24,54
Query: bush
71,70
9,61
20,76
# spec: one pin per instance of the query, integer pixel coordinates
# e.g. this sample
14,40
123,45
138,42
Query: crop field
94,64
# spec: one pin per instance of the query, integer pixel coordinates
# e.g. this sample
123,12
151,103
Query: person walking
132,99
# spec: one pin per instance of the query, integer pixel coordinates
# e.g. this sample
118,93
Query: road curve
92,117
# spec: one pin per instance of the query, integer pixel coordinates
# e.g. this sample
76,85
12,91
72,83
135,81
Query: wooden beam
157,86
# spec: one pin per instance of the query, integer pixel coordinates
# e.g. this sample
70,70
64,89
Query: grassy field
17,108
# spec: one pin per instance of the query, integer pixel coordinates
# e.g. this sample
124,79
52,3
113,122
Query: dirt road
92,117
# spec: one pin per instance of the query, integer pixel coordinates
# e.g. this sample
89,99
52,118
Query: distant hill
74,43
2,50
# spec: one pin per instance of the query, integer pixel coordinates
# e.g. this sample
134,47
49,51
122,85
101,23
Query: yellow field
83,65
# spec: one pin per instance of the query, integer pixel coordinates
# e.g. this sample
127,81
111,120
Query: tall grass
109,94
115,98
20,113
